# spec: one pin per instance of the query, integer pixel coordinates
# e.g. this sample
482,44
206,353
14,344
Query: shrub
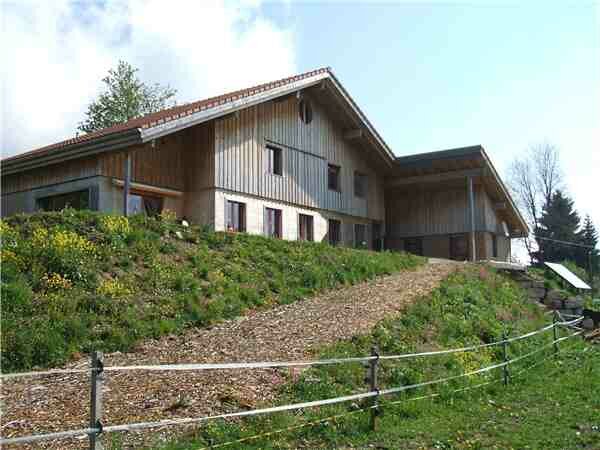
113,289
115,226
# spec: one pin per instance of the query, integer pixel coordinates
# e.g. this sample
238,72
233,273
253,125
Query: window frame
241,215
310,224
338,171
142,198
335,238
413,242
365,228
274,160
360,180
278,222
56,196
305,111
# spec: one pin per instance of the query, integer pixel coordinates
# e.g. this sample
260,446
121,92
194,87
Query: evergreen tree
589,236
560,222
125,97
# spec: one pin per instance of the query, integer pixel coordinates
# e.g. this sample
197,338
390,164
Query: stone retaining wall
558,301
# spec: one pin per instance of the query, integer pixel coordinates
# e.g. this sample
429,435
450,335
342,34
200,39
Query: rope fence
279,364
98,370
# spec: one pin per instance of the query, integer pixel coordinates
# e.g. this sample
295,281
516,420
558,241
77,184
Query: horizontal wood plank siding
241,164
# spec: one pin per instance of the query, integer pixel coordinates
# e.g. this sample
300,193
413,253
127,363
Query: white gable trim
221,110
172,126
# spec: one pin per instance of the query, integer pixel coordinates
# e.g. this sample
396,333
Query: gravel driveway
60,402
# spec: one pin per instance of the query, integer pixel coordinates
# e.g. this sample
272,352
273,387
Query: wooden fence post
372,380
505,355
97,379
555,333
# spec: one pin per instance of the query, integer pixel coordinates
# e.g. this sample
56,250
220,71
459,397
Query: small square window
333,177
360,185
273,226
235,216
274,160
414,246
305,227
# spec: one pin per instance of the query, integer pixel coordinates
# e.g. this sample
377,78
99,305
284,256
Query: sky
430,76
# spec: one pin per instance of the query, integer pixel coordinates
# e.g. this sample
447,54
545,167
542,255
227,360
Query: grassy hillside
76,281
538,410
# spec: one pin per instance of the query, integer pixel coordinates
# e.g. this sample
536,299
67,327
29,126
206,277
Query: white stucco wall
255,217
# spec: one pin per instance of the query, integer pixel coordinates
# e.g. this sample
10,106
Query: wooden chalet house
292,159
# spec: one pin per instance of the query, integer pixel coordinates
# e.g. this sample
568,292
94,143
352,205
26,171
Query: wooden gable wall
241,165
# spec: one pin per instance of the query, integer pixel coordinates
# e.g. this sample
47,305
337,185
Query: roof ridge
171,113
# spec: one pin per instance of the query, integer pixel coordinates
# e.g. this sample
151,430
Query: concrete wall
438,246
26,201
255,217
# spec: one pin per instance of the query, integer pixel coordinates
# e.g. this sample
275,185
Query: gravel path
60,402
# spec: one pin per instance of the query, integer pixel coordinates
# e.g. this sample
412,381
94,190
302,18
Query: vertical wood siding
422,212
180,161
241,166
44,176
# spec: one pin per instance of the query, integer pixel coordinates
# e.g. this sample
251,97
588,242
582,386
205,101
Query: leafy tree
125,97
533,178
559,222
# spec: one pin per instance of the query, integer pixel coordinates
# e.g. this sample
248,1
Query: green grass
539,410
77,281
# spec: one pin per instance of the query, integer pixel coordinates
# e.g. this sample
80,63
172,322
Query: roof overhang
446,166
114,141
133,136
326,80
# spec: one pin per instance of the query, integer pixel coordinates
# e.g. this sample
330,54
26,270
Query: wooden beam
471,192
434,178
127,183
353,134
147,188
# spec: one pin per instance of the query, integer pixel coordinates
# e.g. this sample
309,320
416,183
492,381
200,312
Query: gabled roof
473,159
151,126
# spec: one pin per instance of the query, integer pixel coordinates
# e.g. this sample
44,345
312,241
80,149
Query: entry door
459,248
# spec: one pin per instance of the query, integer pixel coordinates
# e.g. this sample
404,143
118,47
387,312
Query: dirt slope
60,402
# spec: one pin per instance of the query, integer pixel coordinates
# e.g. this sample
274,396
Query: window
273,223
360,235
305,227
305,111
274,160
333,177
75,200
235,216
414,246
360,185
494,246
459,247
334,232
144,204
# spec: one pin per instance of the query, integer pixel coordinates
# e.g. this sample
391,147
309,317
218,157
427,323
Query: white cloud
55,53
